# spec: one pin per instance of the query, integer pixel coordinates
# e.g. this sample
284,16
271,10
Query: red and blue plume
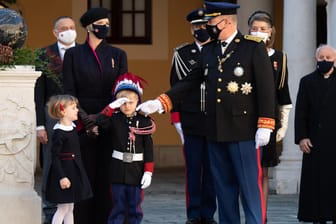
129,81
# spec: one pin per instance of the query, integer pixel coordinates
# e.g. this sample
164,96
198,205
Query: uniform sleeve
148,153
264,87
301,114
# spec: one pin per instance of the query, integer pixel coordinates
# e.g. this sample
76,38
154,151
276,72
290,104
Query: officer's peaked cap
214,9
93,15
197,16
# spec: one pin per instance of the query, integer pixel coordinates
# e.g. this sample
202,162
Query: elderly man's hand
305,145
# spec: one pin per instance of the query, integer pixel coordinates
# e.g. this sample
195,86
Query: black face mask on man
100,31
201,35
324,66
213,30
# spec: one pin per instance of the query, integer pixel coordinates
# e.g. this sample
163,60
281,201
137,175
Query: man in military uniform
189,120
240,111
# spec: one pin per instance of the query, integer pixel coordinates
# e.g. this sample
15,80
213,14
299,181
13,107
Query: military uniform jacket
115,132
191,107
90,75
240,88
48,85
67,162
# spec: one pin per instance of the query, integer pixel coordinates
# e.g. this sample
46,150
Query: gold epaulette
253,38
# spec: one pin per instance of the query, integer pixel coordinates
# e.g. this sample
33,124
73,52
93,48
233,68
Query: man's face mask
67,37
100,31
213,30
324,66
201,35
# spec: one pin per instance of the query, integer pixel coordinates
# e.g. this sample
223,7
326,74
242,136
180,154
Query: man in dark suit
240,108
47,85
189,120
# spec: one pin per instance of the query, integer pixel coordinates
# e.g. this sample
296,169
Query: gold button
245,112
219,90
220,80
219,100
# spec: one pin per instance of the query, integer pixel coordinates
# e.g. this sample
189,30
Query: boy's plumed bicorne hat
129,81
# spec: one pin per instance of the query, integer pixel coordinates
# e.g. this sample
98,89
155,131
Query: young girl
127,135
67,181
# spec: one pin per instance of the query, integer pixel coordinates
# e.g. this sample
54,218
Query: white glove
284,113
151,106
262,137
179,131
118,102
146,180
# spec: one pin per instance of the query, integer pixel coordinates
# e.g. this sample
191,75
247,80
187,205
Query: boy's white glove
284,113
146,180
179,131
118,102
262,137
151,106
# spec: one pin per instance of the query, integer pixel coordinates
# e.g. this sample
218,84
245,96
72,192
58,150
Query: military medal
246,88
238,71
232,87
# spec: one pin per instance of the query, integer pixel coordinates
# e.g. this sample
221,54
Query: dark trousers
126,199
200,191
237,173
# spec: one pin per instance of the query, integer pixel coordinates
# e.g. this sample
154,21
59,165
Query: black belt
67,156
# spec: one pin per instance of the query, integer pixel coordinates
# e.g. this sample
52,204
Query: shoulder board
181,46
253,38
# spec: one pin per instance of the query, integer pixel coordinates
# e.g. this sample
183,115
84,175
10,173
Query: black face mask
324,66
100,31
201,35
213,30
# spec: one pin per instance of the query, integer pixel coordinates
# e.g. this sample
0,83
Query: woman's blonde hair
57,103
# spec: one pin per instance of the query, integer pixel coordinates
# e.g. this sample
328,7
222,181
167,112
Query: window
130,20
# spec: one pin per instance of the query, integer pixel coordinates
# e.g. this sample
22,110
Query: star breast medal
246,88
238,71
232,87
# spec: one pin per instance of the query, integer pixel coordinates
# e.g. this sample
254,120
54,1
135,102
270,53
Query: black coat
67,162
233,116
191,107
90,80
315,119
115,132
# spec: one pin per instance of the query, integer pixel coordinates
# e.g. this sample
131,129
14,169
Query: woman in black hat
89,73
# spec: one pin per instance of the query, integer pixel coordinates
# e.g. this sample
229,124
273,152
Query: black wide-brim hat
93,15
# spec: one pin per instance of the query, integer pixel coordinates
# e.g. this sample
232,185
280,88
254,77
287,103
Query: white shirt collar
271,52
64,127
62,48
228,40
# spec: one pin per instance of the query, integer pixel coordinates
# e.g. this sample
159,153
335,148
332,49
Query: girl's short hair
57,103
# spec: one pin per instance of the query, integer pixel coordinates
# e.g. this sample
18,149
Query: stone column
19,201
299,43
331,18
